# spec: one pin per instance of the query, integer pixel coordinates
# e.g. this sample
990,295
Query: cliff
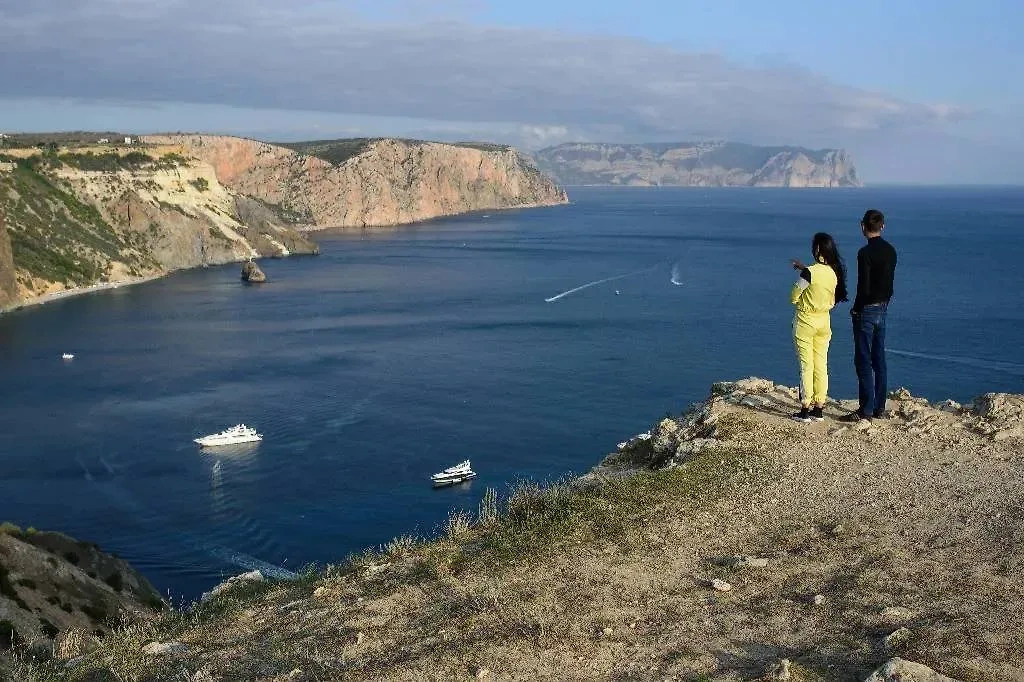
725,543
365,183
715,164
8,282
55,588
92,217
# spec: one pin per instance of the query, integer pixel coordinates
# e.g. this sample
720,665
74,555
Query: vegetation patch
9,636
8,590
337,152
54,236
107,161
115,581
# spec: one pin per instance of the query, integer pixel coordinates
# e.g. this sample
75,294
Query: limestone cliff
90,217
717,164
385,182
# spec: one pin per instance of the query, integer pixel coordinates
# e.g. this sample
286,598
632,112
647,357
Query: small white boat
236,434
452,475
68,356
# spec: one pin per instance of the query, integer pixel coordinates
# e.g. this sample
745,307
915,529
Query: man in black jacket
876,266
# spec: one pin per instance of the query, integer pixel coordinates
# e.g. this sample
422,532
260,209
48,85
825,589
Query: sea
528,341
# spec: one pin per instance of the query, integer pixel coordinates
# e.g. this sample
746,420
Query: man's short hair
873,221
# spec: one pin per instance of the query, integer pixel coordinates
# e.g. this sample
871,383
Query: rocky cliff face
719,164
81,219
387,182
8,283
51,584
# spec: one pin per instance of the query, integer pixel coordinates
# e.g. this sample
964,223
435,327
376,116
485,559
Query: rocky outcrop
715,164
388,182
898,670
252,273
51,584
8,283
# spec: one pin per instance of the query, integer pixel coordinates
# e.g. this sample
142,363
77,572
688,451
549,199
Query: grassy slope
339,151
610,579
56,237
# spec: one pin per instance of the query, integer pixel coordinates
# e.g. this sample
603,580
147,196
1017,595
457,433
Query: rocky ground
53,587
730,543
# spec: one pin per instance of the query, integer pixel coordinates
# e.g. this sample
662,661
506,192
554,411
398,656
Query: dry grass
609,579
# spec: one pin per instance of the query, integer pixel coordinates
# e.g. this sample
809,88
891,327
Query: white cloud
315,56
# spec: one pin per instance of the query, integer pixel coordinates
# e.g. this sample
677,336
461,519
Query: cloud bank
535,86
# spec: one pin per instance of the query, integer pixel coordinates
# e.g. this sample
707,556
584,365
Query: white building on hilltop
127,140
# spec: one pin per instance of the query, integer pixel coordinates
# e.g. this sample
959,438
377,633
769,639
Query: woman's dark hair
824,249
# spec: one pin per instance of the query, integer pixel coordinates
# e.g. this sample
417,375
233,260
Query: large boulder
252,273
898,670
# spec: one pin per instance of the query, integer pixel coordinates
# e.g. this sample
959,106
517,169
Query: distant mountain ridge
696,164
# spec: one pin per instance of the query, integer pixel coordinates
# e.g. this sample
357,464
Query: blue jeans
869,358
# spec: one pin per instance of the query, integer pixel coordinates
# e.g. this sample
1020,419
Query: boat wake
596,282
248,562
995,365
676,274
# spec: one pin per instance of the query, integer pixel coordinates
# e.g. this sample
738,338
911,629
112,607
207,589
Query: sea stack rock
252,273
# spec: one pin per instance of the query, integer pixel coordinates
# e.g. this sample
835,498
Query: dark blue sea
399,352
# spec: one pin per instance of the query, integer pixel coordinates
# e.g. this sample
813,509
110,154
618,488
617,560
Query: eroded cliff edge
98,215
387,182
725,543
705,164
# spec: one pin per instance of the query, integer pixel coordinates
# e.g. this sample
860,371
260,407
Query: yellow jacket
815,289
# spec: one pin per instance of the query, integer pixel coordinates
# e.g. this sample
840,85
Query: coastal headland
79,215
725,543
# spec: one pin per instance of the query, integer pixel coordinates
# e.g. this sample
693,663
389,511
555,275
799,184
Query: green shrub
9,636
48,628
96,610
200,184
115,581
72,557
7,589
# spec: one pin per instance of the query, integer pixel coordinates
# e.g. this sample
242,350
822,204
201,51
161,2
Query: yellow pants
811,334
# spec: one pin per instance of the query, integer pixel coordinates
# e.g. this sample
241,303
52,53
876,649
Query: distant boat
452,475
68,356
236,434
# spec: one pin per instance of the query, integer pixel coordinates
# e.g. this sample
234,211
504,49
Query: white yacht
68,356
452,475
236,434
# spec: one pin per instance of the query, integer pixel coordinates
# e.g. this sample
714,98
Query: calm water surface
396,353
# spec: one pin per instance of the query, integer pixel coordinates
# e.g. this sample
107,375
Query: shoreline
78,291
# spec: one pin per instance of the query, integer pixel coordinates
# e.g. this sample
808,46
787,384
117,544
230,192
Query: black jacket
876,266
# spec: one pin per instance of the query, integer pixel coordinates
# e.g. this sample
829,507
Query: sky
917,91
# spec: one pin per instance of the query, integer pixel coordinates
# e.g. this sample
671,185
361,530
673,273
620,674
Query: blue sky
917,91
965,52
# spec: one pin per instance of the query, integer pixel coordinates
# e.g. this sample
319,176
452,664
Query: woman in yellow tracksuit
818,288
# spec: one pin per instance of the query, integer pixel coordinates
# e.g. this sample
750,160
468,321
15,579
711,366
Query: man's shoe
880,415
817,415
804,416
853,418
